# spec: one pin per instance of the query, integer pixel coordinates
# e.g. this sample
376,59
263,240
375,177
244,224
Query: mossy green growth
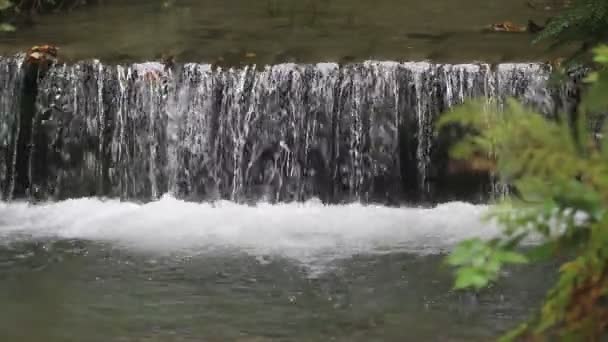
16,13
559,171
5,6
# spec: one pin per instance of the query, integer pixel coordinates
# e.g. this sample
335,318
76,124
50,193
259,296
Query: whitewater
303,231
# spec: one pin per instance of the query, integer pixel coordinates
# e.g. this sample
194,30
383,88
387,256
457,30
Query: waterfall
287,132
10,90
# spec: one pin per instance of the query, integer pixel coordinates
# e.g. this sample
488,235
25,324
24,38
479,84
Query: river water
277,31
93,270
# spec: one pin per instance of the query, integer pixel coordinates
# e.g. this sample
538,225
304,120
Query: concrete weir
288,132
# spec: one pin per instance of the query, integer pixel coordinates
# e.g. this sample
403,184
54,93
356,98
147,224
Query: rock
534,27
473,165
43,54
507,26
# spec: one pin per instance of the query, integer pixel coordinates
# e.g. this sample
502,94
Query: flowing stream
288,132
293,200
143,203
94,270
279,31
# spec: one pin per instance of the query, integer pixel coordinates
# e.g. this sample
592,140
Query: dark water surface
274,31
78,291
88,270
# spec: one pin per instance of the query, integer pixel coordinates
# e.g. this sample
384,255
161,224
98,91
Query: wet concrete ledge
342,133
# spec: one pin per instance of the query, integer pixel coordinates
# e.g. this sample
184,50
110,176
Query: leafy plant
559,170
15,13
6,5
585,22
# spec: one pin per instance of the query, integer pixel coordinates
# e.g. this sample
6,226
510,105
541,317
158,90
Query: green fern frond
586,22
559,168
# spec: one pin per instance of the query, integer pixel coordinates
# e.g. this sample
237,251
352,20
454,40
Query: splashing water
305,231
282,133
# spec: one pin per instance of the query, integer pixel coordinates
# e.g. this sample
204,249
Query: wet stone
280,133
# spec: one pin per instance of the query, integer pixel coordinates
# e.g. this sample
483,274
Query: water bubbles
311,233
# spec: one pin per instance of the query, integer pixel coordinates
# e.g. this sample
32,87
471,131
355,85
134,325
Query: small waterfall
10,91
288,132
69,136
104,131
367,137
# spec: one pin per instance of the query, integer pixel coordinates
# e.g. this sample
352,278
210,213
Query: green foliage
559,169
585,22
5,6
596,99
15,13
480,262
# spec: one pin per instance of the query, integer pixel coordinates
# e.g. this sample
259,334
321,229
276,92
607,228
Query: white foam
303,231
